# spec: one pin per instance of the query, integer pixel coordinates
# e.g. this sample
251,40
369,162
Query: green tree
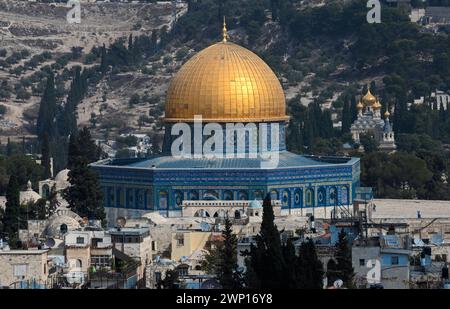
266,258
343,256
47,110
222,260
368,142
332,272
11,218
45,160
85,195
82,147
134,100
310,268
171,280
291,270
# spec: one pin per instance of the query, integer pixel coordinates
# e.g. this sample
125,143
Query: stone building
136,243
23,268
382,260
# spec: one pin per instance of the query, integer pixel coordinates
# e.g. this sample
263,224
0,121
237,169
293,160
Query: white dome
62,179
255,204
28,196
53,228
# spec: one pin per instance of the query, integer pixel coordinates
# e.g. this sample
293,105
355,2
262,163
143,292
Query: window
362,262
95,241
100,260
157,276
20,270
394,260
183,271
80,240
180,241
153,245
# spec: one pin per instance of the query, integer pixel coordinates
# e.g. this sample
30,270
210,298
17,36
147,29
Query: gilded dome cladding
225,83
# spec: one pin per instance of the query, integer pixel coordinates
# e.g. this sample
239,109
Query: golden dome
376,105
359,105
387,114
369,99
225,83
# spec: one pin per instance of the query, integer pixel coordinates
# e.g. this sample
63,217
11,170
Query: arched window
243,195
309,198
45,191
274,195
211,193
201,213
333,196
286,199
178,198
193,195
228,195
322,196
298,198
163,200
130,198
258,195
345,197
119,199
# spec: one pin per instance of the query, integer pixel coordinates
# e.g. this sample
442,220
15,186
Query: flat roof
130,231
407,209
5,252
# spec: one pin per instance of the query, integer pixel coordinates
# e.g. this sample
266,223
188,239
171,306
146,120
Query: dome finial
387,114
224,30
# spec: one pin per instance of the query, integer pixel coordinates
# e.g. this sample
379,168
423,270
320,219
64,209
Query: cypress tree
23,146
45,160
291,271
47,110
332,272
310,268
9,149
11,218
353,109
221,260
343,256
346,117
81,146
103,60
266,258
85,195
228,274
154,42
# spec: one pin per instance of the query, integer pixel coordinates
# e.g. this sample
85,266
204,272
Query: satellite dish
121,221
50,243
338,284
85,220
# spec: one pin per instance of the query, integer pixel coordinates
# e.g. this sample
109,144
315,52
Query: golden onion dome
359,105
387,114
376,105
225,83
368,98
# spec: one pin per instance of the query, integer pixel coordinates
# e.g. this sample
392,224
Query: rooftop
18,252
129,231
286,160
407,209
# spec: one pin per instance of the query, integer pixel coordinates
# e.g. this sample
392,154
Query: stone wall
36,266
